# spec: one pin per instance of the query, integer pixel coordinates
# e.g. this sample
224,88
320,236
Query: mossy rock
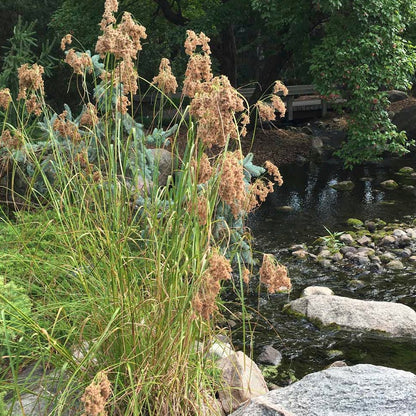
343,186
406,170
355,223
389,185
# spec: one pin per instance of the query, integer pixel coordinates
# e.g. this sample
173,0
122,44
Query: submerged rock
360,390
385,318
270,355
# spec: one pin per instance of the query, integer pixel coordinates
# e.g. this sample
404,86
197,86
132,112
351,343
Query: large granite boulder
360,390
384,318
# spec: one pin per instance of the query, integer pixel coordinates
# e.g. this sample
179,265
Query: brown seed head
66,128
5,98
266,111
279,86
273,170
232,188
205,301
165,80
89,117
66,40
9,141
274,275
30,78
96,395
79,62
33,106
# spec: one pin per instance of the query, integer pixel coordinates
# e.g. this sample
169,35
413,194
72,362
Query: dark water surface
304,346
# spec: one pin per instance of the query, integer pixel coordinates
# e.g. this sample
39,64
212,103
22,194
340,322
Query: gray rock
360,390
387,257
346,239
399,233
300,254
337,257
412,259
242,380
348,249
270,355
396,95
360,258
343,186
384,318
325,253
395,265
364,240
404,253
317,290
387,240
411,233
164,159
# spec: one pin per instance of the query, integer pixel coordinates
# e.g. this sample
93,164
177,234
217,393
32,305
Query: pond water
305,347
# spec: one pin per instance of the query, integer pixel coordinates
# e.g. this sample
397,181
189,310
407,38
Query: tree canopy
353,49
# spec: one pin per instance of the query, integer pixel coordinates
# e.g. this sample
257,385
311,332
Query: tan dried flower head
214,107
257,194
165,80
205,301
89,117
66,128
244,120
124,41
232,188
246,275
66,40
5,98
203,169
266,111
279,86
33,106
197,72
9,141
122,104
30,78
110,7
193,40
133,30
126,74
96,395
273,170
274,275
79,62
278,105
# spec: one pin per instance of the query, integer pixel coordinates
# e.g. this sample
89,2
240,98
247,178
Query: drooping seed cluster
205,301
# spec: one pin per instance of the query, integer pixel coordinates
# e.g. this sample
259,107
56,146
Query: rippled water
304,346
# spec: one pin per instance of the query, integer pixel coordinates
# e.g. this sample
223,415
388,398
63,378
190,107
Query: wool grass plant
129,302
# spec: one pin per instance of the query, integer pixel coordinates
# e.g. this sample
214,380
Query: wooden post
324,107
290,99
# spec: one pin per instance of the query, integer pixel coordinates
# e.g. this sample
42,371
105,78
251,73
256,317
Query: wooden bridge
300,100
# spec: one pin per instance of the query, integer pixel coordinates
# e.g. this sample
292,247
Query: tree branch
170,14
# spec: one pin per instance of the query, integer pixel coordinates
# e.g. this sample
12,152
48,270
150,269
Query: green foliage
13,302
362,55
22,50
3,407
